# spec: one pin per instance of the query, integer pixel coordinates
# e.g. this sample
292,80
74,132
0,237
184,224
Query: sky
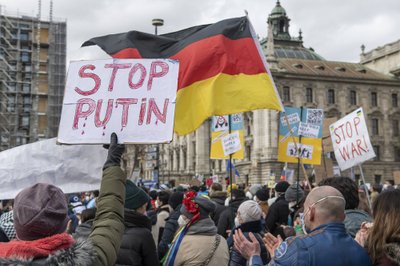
334,29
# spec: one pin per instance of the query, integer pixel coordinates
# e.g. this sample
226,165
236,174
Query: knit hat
281,186
40,211
175,199
135,196
292,194
249,211
7,225
262,194
205,205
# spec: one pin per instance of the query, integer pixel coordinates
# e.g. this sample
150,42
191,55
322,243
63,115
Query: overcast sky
335,29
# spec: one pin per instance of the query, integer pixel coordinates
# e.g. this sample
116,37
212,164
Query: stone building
303,78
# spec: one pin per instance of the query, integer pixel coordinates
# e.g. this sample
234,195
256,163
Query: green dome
278,9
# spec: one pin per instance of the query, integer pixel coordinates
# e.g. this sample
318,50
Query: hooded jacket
138,247
354,219
99,249
219,198
202,244
227,219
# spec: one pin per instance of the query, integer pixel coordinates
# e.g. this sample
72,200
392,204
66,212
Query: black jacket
277,215
83,230
235,258
138,247
219,198
171,226
227,219
3,236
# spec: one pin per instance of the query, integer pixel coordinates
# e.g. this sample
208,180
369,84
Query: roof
299,52
330,69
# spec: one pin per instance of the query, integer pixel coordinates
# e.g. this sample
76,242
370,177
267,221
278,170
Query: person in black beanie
138,247
171,225
278,212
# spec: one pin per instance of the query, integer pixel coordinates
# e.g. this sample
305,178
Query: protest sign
351,141
396,176
73,168
219,133
133,97
304,123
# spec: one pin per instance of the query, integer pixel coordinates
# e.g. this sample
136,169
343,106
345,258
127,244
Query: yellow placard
287,152
217,151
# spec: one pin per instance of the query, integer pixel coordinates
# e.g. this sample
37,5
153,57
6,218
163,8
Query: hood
135,219
354,219
218,195
392,252
204,227
236,202
80,252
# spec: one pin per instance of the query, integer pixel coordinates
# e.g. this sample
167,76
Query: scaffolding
32,77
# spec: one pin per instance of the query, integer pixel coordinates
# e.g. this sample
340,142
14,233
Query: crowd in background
330,223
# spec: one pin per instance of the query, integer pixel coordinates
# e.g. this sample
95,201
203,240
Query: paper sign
309,130
134,98
302,151
292,118
315,116
351,141
220,123
231,143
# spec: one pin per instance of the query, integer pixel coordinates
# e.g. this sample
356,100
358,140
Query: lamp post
157,22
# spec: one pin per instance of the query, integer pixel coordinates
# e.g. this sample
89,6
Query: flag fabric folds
222,68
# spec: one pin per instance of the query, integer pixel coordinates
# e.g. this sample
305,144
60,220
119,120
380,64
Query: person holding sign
41,221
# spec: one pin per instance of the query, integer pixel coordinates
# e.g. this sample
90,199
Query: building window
377,152
396,153
25,57
26,88
25,121
374,99
353,97
378,179
309,95
24,36
11,103
395,125
331,96
375,126
286,94
394,100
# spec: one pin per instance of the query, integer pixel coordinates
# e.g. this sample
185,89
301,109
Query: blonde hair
386,227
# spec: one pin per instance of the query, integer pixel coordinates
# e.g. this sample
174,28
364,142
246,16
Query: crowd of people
331,223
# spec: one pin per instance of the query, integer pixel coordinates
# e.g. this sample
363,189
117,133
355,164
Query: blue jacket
327,245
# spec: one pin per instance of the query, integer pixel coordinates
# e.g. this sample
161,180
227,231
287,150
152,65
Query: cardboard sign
219,133
306,123
131,97
351,140
396,176
231,143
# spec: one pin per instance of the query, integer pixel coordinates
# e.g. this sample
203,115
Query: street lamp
157,22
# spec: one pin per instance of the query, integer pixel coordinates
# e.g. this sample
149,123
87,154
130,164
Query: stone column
203,149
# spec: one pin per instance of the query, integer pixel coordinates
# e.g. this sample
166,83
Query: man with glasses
325,242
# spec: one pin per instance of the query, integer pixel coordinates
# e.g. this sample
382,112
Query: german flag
222,68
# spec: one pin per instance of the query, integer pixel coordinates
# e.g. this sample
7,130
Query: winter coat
171,226
278,214
158,229
235,258
83,230
227,219
202,244
138,247
100,248
3,236
354,219
219,198
391,255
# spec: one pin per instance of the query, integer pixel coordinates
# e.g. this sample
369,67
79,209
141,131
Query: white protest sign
134,98
308,130
350,140
231,143
292,118
302,151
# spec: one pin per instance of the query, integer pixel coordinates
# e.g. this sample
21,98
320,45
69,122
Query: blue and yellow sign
220,130
300,135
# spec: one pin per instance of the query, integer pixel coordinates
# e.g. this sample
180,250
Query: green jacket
108,226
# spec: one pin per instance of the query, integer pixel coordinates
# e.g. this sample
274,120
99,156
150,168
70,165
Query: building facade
303,78
32,78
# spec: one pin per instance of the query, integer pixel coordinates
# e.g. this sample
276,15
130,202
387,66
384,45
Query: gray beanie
292,194
254,188
250,211
206,206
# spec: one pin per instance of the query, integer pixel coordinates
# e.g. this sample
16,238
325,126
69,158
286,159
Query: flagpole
230,157
295,145
365,188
